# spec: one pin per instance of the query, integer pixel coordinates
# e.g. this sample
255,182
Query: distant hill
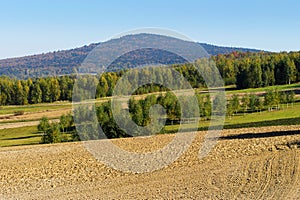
66,61
215,50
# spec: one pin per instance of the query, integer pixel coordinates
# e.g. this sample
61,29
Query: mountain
215,50
67,61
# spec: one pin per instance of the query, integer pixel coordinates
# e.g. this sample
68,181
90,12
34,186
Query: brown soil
8,121
250,163
35,115
22,124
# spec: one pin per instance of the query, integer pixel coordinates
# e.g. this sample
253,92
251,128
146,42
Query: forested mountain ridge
66,61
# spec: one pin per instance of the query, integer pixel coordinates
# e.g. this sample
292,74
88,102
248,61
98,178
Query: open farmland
249,163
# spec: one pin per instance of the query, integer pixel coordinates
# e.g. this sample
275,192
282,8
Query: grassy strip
30,135
287,116
4,110
253,90
23,136
62,105
19,136
25,120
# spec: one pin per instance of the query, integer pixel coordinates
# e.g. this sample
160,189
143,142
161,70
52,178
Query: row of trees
140,113
54,132
42,90
252,70
246,70
177,109
273,99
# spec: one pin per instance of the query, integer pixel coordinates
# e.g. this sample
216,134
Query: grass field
19,136
233,90
29,135
287,116
4,110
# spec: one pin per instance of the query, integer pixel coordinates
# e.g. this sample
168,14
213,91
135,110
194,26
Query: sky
40,26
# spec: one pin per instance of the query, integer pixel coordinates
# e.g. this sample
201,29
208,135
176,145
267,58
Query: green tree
230,109
111,79
43,127
35,94
200,99
46,92
255,73
54,90
3,99
250,73
272,99
207,107
258,104
107,122
149,101
245,102
269,99
102,88
19,94
268,66
63,122
253,100
277,99
283,97
26,89
285,70
219,104
235,103
291,97
137,113
66,87
53,134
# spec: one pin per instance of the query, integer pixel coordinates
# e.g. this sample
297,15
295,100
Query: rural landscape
259,143
236,110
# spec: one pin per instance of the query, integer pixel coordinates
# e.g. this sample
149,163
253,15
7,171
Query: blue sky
31,27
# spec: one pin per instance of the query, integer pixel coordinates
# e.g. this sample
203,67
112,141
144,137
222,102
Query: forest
245,70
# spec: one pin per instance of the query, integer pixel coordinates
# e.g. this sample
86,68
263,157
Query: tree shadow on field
261,135
20,138
297,91
276,122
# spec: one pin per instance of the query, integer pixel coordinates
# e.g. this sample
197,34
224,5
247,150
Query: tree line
33,91
139,110
246,70
253,70
247,103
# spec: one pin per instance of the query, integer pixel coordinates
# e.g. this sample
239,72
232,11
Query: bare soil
35,115
9,120
249,163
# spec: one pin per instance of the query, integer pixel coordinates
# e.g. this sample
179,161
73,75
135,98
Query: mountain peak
65,61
